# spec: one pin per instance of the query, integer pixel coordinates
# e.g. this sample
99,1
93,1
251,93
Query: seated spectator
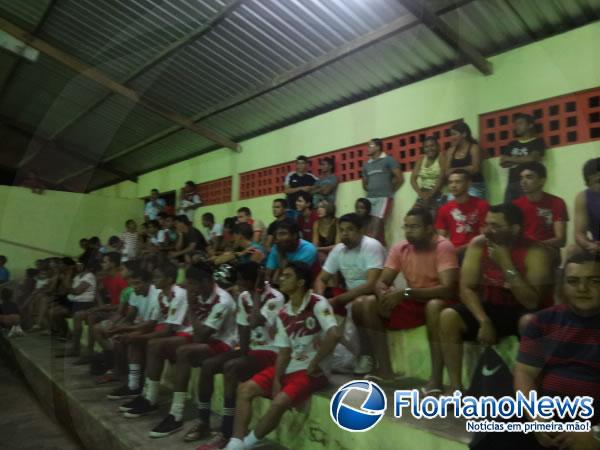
503,277
359,259
461,219
83,244
430,268
587,209
214,231
256,322
167,235
114,244
154,206
559,352
278,207
528,147
228,225
190,201
245,249
381,178
4,272
306,215
130,241
465,154
289,247
372,226
427,177
545,215
298,181
325,228
189,240
24,298
10,317
326,186
81,296
172,309
244,215
152,245
297,373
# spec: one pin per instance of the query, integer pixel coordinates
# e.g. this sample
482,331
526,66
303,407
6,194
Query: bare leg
267,423
246,392
452,329
433,310
186,356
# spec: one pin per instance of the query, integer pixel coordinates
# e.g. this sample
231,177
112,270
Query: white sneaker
12,333
235,444
19,331
364,365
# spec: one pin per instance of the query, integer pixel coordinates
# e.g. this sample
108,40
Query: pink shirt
421,268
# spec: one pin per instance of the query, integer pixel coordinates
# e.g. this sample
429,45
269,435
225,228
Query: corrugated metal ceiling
228,78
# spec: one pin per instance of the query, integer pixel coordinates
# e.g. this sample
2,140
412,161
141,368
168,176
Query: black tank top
456,163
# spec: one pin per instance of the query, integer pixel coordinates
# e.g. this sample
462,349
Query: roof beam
431,20
75,153
397,26
117,88
161,56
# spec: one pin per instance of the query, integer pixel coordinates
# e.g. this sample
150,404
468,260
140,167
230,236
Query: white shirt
271,301
130,245
89,295
354,263
190,213
303,330
216,312
173,308
148,306
152,211
215,232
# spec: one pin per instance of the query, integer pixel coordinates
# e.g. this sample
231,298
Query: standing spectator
545,215
326,186
306,215
427,177
430,267
325,228
461,219
372,226
154,206
503,277
381,178
279,205
214,231
466,154
4,272
559,353
587,209
190,201
189,240
359,259
244,215
289,247
298,181
526,148
130,241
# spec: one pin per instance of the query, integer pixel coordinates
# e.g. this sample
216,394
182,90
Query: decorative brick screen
216,191
405,148
564,120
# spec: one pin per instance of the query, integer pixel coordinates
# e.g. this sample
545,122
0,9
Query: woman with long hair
427,177
466,154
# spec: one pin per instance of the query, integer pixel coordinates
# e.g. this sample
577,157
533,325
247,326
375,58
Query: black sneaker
132,404
123,392
168,426
144,407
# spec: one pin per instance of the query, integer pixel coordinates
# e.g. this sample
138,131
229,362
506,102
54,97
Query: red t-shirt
462,221
306,225
539,217
113,287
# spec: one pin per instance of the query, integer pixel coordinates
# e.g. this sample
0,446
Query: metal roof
237,67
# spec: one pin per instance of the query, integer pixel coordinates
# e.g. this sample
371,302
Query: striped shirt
565,346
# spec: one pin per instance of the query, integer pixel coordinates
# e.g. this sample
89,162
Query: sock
152,391
250,440
177,405
234,443
204,411
228,413
135,371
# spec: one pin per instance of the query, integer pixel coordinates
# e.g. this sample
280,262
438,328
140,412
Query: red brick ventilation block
216,191
405,148
564,120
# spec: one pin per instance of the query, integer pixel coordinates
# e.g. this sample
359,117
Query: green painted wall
555,66
54,222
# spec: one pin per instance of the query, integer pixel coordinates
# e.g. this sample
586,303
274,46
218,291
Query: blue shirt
152,211
4,275
306,253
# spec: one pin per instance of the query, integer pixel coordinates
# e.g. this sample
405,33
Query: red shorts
160,327
185,335
218,347
408,314
296,385
265,358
